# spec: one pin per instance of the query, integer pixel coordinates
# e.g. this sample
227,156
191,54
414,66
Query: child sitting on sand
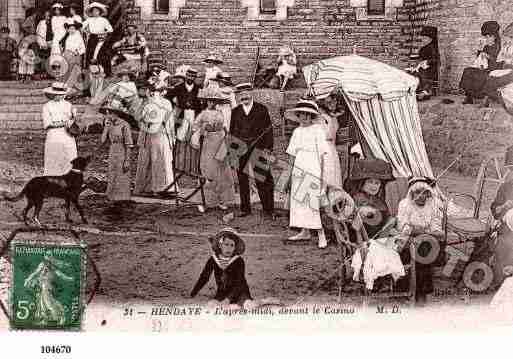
228,267
229,272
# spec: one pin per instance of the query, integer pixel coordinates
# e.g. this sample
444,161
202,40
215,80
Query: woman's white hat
57,88
302,105
57,5
100,6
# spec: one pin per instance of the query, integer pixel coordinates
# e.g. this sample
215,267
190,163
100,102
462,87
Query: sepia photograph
215,166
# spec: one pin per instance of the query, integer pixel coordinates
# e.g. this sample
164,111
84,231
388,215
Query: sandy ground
144,257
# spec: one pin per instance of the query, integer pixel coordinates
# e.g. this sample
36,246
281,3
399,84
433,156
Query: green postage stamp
47,290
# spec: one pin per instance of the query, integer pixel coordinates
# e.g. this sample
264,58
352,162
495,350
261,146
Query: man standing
251,133
185,96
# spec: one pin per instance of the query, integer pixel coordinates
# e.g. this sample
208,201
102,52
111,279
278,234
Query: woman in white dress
308,149
58,27
60,146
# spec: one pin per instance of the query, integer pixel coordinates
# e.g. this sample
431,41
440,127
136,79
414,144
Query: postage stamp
47,287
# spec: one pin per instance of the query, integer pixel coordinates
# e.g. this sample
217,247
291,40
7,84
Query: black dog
68,187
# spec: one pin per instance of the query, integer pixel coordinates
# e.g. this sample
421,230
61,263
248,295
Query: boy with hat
159,76
251,128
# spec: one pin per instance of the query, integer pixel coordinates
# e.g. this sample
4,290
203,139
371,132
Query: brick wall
459,23
315,28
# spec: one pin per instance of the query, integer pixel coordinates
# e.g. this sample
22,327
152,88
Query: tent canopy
360,78
383,103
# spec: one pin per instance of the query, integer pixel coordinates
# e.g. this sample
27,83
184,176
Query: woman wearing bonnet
504,74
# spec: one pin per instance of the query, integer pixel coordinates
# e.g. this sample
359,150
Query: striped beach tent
383,103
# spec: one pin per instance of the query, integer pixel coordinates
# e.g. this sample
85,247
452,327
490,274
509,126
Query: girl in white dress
308,148
58,28
211,70
60,147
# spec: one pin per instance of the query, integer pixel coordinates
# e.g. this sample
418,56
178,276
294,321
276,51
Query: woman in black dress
474,79
427,69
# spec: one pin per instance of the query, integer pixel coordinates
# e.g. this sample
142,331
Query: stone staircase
21,104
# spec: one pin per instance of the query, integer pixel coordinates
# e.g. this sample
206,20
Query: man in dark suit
251,144
186,94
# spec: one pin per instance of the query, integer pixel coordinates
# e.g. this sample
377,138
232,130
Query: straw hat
246,86
57,88
240,246
211,93
224,78
213,59
303,105
191,72
99,6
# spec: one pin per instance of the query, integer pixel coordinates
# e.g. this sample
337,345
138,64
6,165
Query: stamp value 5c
46,291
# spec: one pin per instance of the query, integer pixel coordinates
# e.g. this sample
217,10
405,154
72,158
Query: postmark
47,291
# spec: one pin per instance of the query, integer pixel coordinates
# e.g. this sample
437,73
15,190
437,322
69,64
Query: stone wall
316,29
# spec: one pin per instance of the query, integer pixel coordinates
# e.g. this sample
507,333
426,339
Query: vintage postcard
246,166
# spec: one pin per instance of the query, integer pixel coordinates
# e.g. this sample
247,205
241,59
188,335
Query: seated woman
427,69
366,184
286,66
502,211
503,77
474,78
420,212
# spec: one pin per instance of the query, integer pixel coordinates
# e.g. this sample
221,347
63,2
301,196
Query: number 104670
55,349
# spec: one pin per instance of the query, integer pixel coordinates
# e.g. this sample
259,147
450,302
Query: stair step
27,100
28,86
28,108
32,121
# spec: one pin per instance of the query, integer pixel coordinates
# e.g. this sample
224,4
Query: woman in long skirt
156,140
117,132
60,147
473,80
209,124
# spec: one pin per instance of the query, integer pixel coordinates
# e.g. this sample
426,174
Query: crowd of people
235,135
